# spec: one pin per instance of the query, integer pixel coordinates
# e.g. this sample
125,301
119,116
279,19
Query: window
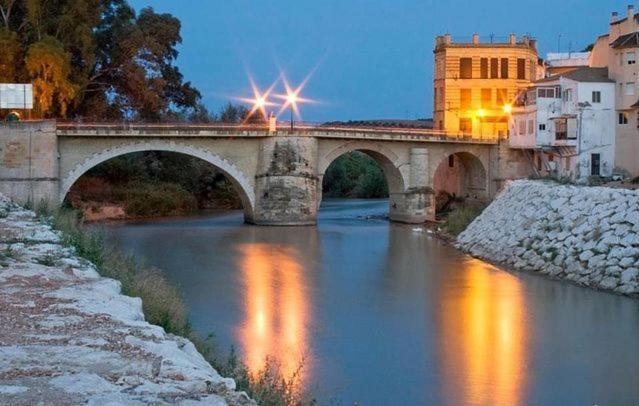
546,92
451,161
466,68
623,118
542,127
630,58
504,68
465,125
486,98
558,92
596,97
568,95
465,98
561,129
502,97
522,127
531,126
521,69
630,88
494,68
483,67
595,164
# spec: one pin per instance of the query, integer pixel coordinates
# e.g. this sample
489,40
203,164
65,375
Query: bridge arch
388,161
239,180
463,174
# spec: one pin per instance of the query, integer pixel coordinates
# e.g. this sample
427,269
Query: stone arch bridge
278,175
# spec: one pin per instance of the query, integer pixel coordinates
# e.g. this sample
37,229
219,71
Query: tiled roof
594,75
626,41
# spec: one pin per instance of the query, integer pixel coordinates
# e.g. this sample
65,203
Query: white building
565,124
618,50
563,62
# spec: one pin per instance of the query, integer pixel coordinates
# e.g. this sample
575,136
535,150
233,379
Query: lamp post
291,100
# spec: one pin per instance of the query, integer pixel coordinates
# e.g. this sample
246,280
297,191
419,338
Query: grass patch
164,306
461,216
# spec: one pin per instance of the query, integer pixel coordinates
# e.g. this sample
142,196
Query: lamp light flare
259,102
508,108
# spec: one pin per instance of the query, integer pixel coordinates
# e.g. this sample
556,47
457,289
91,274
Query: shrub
461,217
163,305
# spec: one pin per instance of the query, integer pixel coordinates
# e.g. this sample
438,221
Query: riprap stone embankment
68,336
588,235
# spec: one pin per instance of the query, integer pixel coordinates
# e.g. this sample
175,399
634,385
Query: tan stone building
618,50
475,83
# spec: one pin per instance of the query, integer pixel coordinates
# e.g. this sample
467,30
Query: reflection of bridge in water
278,175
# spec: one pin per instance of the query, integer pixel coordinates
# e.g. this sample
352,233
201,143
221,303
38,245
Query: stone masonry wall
588,235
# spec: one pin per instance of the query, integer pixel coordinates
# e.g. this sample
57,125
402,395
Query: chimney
631,11
614,17
526,40
512,39
475,39
533,44
448,39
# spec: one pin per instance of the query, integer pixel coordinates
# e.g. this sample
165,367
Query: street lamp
259,101
291,100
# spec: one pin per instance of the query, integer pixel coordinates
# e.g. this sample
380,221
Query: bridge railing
282,127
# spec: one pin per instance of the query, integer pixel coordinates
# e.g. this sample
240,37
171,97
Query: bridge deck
260,131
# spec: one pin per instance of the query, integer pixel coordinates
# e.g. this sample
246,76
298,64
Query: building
475,83
565,124
618,50
558,63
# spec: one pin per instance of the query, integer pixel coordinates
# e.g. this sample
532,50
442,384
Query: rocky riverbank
69,336
588,235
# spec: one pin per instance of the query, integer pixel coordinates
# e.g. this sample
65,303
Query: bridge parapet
261,131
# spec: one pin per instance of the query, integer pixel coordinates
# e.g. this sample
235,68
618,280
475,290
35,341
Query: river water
382,314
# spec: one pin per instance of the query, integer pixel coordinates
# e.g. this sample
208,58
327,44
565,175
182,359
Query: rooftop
585,75
626,41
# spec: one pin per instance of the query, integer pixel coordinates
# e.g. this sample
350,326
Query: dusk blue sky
374,57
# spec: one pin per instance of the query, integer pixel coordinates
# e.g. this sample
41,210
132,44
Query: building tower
475,83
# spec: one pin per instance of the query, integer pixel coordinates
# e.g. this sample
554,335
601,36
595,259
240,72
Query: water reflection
276,312
484,339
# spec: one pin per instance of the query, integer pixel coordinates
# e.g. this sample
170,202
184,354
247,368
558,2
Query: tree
109,62
10,55
48,66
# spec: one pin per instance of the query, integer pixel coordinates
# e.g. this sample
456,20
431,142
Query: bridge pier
286,186
416,204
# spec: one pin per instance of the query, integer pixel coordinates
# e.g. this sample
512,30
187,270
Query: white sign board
16,96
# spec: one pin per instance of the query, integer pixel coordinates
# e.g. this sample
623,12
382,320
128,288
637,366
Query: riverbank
587,235
69,336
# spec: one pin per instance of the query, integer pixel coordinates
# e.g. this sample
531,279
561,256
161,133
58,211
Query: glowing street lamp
259,101
508,108
292,100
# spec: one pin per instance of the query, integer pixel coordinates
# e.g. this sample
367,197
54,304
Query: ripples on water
385,314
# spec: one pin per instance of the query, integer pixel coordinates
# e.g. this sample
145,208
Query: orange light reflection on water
485,349
276,309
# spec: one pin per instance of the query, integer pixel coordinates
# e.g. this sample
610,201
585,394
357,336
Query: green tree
10,55
118,63
49,67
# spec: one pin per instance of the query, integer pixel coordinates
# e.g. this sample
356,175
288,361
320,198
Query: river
383,313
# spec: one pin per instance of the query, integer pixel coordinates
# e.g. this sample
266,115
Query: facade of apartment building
618,50
475,83
565,124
